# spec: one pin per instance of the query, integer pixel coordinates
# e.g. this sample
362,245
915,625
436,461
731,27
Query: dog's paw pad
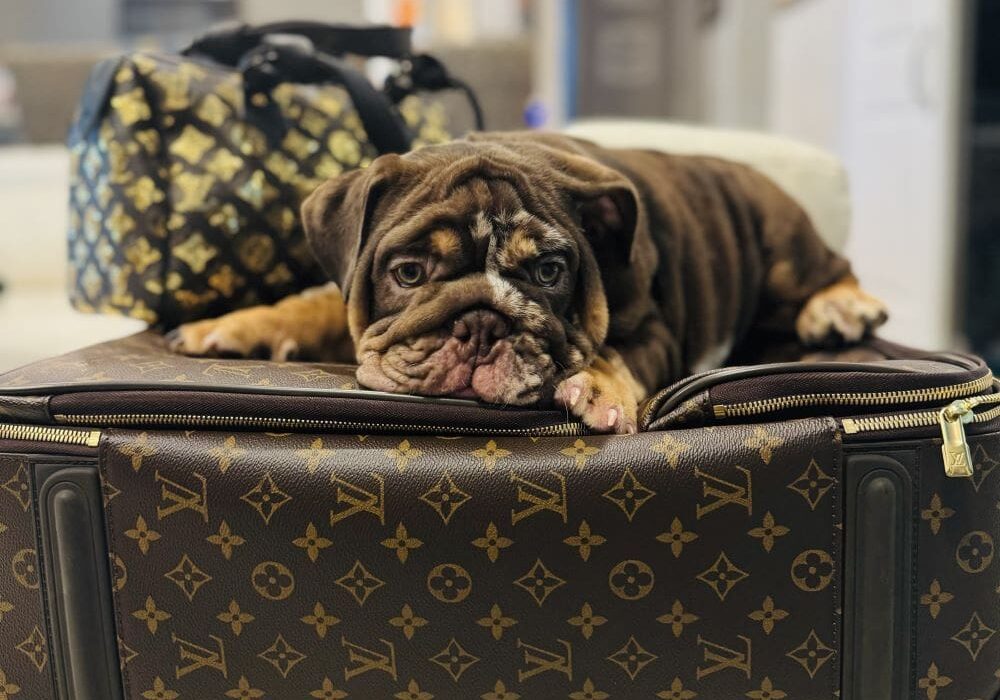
841,313
593,399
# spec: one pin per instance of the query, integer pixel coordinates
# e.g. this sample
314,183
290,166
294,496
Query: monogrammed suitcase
175,528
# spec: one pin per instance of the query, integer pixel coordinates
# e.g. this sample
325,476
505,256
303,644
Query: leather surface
659,565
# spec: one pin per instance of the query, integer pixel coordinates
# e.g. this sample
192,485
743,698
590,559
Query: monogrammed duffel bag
176,528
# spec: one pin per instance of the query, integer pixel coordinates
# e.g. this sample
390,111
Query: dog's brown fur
670,264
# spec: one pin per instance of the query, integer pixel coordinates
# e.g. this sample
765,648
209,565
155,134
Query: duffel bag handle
228,45
265,67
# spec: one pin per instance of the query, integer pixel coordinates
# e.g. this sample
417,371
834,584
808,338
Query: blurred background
905,92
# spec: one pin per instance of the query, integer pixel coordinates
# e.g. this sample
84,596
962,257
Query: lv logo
539,497
196,656
721,492
358,499
541,660
366,660
722,657
176,497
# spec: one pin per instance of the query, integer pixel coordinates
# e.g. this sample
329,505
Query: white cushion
814,177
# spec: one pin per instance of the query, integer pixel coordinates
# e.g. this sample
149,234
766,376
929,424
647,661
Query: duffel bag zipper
37,433
952,419
203,421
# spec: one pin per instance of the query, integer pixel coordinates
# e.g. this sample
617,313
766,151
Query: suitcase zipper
952,420
202,421
65,436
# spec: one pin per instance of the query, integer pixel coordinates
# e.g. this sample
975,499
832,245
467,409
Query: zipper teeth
751,408
921,419
172,420
34,433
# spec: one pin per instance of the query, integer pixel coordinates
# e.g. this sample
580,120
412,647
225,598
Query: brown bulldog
517,268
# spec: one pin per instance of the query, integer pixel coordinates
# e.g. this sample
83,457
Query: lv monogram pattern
317,566
180,210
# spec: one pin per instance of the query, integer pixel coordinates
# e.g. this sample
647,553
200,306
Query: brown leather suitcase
175,528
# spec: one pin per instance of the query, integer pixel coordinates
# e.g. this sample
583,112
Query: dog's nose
482,325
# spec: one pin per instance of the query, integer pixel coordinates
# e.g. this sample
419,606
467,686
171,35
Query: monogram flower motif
676,537
235,617
35,648
768,532
17,486
312,542
497,622
812,570
402,543
589,692
327,691
119,574
933,681
272,580
974,635
138,449
492,542
282,656
244,691
765,443
677,691
768,615
187,576
767,691
225,539
449,583
722,576
539,582
632,658
812,654
580,451
975,552
159,691
227,453
813,484
408,621
490,454
151,615
936,513
5,608
631,580
587,621
671,448
445,497
314,455
320,620
500,692
629,494
677,618
454,659
935,598
266,498
403,454
359,582
584,540
142,534
413,692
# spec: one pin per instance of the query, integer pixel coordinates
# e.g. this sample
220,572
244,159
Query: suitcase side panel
700,561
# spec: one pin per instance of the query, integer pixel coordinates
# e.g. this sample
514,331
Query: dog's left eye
547,272
409,274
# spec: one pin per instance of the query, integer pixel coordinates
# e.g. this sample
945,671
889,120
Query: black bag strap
265,67
229,44
424,72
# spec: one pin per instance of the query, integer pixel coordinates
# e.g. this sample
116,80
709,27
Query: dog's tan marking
519,248
312,324
445,242
482,227
605,396
841,312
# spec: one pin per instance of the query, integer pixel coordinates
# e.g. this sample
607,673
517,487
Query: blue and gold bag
188,170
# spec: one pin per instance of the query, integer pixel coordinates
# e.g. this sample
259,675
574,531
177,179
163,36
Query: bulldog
519,268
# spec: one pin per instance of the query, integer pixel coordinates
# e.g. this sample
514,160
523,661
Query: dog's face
470,268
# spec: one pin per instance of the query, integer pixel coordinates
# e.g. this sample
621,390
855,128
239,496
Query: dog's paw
255,332
602,401
841,313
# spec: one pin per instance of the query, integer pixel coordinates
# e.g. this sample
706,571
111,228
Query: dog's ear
337,217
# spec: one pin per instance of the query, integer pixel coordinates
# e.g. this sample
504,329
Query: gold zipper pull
955,447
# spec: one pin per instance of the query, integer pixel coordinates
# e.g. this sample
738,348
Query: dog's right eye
409,274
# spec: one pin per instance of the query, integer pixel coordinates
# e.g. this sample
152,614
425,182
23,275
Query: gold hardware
239,422
954,447
36,433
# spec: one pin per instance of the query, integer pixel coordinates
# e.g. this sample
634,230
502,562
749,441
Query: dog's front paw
601,400
841,313
256,332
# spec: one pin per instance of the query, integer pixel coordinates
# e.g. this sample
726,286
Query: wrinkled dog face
468,273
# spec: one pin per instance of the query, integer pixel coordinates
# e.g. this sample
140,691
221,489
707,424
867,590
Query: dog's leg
605,396
310,325
839,313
